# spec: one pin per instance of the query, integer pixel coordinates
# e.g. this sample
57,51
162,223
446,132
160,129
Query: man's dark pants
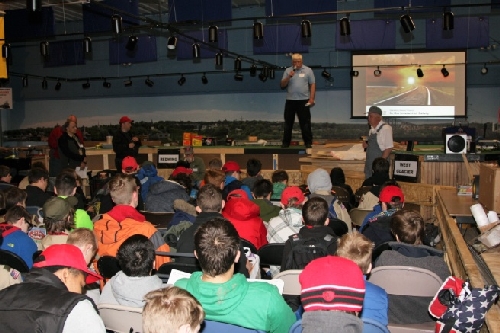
298,107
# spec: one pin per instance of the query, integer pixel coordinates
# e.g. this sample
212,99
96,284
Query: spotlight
258,30
407,23
106,84
238,77
44,49
182,80
253,70
132,43
58,86
444,71
149,83
448,21
213,34
305,26
86,85
196,51
45,85
377,72
237,64
345,27
263,75
127,83
354,73
116,24
6,51
172,43
204,79
420,73
87,45
25,81
271,73
218,59
325,74
484,70
33,5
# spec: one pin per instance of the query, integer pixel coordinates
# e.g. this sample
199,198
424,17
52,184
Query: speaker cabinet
456,143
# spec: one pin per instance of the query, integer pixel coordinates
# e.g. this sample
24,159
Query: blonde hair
167,309
356,247
296,56
81,237
121,188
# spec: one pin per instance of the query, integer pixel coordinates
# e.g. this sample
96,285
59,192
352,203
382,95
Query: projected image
410,85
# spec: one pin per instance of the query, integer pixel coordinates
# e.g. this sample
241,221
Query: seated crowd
220,223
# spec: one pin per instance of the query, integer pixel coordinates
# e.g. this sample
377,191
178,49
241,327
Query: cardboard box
186,142
186,136
252,138
489,186
197,140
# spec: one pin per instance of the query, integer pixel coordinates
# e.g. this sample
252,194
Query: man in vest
379,143
50,298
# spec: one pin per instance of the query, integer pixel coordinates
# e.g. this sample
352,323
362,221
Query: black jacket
71,155
40,304
121,141
35,196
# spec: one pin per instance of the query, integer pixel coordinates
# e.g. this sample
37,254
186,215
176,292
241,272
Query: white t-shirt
384,136
84,318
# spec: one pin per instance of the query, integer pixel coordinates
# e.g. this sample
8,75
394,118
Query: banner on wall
5,98
3,61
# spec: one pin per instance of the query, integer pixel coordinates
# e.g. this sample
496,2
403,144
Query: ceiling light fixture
448,21
263,75
484,70
86,85
127,83
237,64
407,23
6,51
204,79
106,84
258,30
305,27
354,73
45,85
444,71
325,74
377,72
218,59
44,49
132,43
253,70
345,26
182,80
172,43
238,77
149,83
58,85
196,51
420,73
34,5
87,45
271,73
116,24
25,81
213,34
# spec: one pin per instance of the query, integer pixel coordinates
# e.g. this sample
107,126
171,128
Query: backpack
304,250
337,210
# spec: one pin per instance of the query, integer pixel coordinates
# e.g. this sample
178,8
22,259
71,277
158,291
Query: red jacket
245,216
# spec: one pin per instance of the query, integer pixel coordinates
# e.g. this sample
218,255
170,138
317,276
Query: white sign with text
406,168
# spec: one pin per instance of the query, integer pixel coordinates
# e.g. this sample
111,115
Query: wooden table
458,207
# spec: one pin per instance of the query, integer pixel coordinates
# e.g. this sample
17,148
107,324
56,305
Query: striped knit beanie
332,283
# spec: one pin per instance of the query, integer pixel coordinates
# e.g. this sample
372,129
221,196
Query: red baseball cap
389,192
129,164
66,255
292,192
125,119
231,166
179,170
238,193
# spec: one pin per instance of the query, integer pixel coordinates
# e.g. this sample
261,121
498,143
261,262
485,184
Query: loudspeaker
456,143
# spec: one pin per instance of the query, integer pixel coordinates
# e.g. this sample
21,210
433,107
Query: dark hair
279,176
65,183
215,163
214,177
4,171
136,256
184,180
35,174
315,211
408,226
337,176
182,163
262,188
53,269
380,165
59,225
15,213
13,196
253,167
216,243
209,199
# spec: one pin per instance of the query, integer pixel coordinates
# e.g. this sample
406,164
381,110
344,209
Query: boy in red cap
233,176
50,298
124,142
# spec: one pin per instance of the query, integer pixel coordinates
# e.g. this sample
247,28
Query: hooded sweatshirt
319,181
129,290
331,321
287,223
17,241
245,216
161,196
147,175
256,305
267,209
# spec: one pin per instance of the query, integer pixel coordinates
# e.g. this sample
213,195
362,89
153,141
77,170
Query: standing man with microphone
301,91
125,143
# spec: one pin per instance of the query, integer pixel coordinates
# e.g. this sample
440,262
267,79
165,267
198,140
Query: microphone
293,69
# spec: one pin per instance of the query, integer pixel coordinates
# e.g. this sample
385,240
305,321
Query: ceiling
71,10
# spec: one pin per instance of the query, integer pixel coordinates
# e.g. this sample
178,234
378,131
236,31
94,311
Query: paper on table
82,172
177,275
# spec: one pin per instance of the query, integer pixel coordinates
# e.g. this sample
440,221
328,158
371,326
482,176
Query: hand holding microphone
292,73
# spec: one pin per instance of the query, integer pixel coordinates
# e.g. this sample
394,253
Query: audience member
58,219
377,228
228,297
85,240
147,175
25,181
262,191
332,294
8,275
290,219
215,177
130,167
254,166
12,196
358,248
245,216
65,188
136,258
5,177
71,150
171,309
338,179
195,163
280,181
55,134
161,195
125,143
209,205
14,233
215,164
50,298
124,220
35,191
380,175
232,182
79,194
184,212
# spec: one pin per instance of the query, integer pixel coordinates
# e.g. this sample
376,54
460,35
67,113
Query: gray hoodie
129,290
330,321
319,180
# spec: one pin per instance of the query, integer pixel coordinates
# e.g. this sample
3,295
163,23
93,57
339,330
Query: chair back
406,280
210,326
246,244
358,215
108,266
362,190
291,279
164,271
341,194
271,254
373,326
158,219
120,318
297,327
34,210
12,260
